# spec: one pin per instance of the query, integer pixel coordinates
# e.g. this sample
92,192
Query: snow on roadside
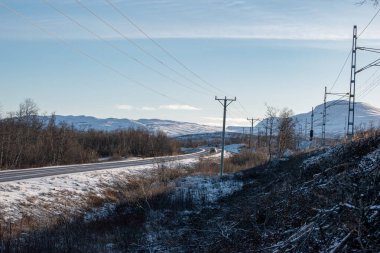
204,189
217,155
234,148
190,195
64,194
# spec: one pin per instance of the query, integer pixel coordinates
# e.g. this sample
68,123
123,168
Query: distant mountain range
336,119
171,128
337,111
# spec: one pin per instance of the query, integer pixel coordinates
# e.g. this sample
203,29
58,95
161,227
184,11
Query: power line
370,88
242,107
137,45
373,87
83,53
369,23
335,102
118,48
349,52
341,70
166,51
118,10
365,88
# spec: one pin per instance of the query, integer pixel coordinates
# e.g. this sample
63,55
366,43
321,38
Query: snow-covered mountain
88,122
336,119
171,128
336,124
176,128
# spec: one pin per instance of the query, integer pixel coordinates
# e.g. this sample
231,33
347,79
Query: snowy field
65,194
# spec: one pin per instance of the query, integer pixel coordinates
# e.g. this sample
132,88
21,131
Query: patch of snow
370,161
349,206
288,153
204,189
64,194
374,207
325,154
305,145
234,148
100,213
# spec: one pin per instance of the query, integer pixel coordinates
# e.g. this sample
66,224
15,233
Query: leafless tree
286,131
271,115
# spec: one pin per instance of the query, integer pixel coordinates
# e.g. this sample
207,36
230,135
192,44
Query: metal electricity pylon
351,100
375,63
324,114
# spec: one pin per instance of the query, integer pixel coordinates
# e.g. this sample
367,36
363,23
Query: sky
168,59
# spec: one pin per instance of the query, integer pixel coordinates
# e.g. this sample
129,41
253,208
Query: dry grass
244,160
238,162
132,190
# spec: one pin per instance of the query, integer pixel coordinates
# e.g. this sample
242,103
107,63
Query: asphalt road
21,174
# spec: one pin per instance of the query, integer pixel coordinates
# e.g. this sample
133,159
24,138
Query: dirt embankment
328,201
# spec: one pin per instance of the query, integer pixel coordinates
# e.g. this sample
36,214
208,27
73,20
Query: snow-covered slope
336,119
337,112
87,122
172,128
176,128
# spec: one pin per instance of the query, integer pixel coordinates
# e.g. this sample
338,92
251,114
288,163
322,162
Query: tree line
29,140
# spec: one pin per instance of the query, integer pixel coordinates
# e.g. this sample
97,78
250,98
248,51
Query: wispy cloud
177,107
261,19
148,108
172,107
124,107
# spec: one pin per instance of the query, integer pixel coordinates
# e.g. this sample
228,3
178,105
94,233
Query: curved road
21,174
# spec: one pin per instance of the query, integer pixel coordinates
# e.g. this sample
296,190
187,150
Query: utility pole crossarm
338,94
369,49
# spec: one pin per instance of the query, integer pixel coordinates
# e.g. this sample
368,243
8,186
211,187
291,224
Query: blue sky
281,53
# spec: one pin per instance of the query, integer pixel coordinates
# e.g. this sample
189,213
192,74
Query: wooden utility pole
252,120
224,104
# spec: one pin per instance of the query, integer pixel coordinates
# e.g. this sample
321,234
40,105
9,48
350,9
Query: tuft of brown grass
237,162
244,160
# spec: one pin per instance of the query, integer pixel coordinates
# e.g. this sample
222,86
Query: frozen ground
65,194
234,148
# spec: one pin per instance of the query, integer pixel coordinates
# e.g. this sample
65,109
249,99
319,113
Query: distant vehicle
212,150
